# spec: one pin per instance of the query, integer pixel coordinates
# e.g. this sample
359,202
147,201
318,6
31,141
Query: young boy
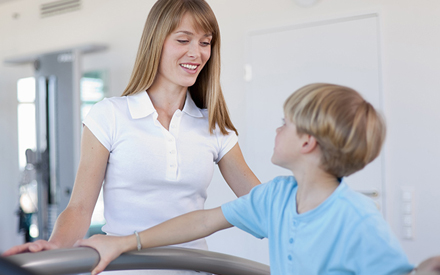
314,222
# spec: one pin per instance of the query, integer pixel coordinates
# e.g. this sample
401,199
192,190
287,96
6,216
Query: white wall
411,87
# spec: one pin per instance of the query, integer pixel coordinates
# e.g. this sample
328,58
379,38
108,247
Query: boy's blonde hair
349,131
164,17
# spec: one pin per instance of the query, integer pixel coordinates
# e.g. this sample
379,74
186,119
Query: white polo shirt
154,174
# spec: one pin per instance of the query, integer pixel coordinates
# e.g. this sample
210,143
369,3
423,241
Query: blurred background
57,58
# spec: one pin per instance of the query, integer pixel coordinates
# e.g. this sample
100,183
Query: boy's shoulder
282,183
358,203
284,179
278,189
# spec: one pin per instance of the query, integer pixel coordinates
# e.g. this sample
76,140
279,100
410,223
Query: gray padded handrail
83,259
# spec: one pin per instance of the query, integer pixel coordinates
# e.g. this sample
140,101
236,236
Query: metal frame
83,259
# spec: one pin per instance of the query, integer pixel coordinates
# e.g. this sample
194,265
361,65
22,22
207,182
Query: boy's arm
185,228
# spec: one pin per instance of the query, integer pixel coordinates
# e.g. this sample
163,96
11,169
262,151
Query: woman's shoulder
115,100
111,102
107,106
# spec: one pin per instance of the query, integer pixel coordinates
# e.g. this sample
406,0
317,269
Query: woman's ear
309,144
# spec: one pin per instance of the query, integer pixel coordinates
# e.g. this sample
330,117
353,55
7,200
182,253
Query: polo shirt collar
140,105
190,107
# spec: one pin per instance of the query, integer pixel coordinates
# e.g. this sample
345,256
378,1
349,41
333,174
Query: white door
342,51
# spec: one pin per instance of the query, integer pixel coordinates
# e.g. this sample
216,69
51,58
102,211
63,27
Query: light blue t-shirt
346,234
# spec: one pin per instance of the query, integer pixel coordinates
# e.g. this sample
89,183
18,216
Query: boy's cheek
274,157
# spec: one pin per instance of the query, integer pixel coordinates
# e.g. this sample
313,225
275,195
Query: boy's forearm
185,228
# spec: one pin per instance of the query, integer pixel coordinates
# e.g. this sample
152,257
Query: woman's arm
74,221
429,266
236,172
185,228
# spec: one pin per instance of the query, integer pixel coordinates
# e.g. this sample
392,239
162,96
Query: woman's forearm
71,225
185,228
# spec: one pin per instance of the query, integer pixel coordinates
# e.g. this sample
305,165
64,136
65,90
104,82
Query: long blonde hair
349,131
206,92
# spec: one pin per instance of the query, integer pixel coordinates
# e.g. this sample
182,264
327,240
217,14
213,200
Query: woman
155,147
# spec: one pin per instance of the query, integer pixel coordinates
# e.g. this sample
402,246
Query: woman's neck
167,98
314,187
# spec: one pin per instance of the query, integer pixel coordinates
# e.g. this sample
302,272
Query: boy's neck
314,187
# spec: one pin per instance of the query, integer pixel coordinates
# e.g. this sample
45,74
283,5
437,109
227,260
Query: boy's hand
108,247
36,246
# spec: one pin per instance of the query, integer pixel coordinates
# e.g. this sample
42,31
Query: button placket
291,240
175,122
171,157
171,145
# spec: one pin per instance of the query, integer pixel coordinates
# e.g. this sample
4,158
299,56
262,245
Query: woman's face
185,52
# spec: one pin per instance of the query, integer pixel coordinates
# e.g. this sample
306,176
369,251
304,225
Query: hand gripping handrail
84,259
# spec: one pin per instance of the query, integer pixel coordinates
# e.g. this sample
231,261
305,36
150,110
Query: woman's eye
182,41
205,44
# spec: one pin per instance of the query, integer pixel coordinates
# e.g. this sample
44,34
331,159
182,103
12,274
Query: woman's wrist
138,241
128,243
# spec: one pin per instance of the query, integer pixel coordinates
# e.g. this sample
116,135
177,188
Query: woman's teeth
191,67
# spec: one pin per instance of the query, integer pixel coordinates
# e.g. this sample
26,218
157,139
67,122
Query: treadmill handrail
84,259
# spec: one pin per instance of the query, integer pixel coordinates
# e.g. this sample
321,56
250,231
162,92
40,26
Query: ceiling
5,1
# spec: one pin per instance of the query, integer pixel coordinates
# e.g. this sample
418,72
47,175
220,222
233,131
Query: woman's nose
194,50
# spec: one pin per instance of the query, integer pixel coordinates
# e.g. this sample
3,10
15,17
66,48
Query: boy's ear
309,144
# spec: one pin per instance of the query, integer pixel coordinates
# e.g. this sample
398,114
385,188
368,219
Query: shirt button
172,151
173,125
295,223
289,257
172,165
291,240
170,140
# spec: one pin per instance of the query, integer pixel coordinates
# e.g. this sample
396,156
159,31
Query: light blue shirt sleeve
251,212
373,249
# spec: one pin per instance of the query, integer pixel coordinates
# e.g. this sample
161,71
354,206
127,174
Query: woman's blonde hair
349,131
163,18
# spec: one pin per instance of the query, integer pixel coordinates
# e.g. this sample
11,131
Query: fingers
106,252
15,250
85,242
36,246
41,245
100,267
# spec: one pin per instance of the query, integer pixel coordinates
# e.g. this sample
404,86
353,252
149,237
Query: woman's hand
108,247
430,265
36,246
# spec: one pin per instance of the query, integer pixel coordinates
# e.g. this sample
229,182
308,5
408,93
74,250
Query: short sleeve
250,212
100,121
225,143
377,247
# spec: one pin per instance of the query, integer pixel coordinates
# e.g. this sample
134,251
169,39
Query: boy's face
287,145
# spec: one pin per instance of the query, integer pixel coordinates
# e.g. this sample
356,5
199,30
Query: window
26,118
